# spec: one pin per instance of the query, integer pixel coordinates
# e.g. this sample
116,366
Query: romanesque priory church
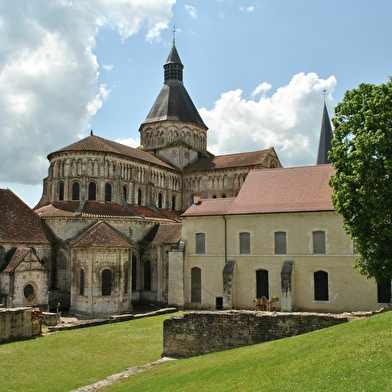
169,223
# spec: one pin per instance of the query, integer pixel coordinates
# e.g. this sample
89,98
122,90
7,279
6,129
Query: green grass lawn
351,357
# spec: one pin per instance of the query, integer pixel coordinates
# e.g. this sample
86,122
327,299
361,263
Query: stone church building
114,212
169,223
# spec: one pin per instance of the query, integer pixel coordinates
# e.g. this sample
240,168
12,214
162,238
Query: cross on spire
174,35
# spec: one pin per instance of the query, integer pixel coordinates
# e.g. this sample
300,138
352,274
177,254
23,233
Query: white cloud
107,67
247,9
288,120
49,86
130,142
191,11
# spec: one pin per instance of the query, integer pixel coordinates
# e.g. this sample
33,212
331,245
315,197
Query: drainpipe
224,218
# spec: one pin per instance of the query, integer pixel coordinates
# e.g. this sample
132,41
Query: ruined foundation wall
15,324
205,332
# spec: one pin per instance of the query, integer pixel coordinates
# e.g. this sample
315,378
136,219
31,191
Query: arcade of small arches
152,139
141,278
131,182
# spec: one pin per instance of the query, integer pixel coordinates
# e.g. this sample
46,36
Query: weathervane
324,94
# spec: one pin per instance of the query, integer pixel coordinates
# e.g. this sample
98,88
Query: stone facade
198,333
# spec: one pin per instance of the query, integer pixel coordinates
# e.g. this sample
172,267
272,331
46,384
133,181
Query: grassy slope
352,357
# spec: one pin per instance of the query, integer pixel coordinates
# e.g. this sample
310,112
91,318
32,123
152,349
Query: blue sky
256,70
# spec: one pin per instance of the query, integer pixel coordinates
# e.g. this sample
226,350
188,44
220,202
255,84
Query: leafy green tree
362,185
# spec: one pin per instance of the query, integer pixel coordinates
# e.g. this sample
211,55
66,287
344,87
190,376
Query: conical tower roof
173,102
325,143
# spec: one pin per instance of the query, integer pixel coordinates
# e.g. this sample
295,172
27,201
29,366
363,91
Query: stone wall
199,333
15,324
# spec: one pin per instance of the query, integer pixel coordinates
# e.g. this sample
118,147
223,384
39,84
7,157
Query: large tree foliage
362,185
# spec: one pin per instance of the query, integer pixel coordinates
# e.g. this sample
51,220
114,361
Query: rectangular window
319,242
280,243
244,243
200,243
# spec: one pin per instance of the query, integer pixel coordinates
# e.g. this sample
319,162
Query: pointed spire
325,143
173,66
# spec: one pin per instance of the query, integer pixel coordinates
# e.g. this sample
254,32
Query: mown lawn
351,357
67,360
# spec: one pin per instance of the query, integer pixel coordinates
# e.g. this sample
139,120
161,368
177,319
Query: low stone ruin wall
15,324
199,333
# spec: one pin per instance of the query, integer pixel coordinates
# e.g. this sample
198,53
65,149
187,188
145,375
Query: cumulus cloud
289,119
49,86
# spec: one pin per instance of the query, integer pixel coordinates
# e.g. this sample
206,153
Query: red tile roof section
98,144
101,210
232,160
167,234
297,189
210,207
18,256
101,234
18,222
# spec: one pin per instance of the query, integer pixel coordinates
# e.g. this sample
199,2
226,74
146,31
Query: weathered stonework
199,333
15,324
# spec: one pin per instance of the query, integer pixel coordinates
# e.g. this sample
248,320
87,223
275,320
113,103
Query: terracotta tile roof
17,257
297,189
98,144
231,160
101,234
18,222
167,234
294,189
104,210
205,207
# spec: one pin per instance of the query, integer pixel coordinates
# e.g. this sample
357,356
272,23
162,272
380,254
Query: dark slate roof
18,222
101,234
173,56
174,103
226,161
279,190
325,142
94,143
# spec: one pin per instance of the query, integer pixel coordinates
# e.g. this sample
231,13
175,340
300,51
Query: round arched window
29,292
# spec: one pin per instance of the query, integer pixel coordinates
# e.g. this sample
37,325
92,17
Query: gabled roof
18,222
17,258
232,160
94,143
297,189
101,235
